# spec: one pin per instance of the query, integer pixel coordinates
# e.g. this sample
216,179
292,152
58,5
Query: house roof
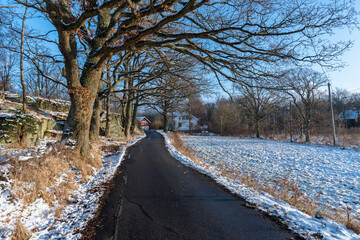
185,114
141,118
350,114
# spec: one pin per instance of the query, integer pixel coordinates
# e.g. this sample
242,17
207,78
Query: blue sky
349,76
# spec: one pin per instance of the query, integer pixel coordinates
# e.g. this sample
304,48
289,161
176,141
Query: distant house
351,118
183,123
143,123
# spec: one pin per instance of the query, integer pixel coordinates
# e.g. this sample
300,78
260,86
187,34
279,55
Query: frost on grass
331,171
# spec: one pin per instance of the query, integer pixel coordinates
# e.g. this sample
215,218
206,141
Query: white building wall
182,124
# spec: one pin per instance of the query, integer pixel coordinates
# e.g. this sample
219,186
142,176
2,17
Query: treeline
297,106
239,116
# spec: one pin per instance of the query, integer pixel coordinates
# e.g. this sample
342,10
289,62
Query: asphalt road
156,197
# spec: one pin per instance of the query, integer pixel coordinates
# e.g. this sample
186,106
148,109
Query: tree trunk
127,119
79,121
124,105
165,115
108,118
190,123
107,107
82,103
307,123
307,134
221,126
257,126
95,120
133,120
22,78
129,108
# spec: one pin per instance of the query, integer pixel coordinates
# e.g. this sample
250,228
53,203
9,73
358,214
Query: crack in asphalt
141,208
148,215
171,230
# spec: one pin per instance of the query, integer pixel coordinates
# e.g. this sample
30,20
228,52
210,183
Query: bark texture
95,120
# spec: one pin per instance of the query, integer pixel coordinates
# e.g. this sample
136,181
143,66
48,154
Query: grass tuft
52,176
21,233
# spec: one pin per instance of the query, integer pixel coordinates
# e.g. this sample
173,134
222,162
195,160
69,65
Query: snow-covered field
39,217
332,171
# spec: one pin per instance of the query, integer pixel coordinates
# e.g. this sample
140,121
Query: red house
143,123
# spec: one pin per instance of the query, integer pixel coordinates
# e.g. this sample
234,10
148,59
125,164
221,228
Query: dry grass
111,149
349,137
284,189
33,178
181,147
290,192
20,233
52,176
346,138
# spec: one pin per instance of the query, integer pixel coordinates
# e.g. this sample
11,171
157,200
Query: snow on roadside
40,217
8,152
303,224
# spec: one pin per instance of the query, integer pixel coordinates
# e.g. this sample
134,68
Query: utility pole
291,136
332,116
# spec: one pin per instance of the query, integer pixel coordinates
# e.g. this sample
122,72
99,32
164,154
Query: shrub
18,126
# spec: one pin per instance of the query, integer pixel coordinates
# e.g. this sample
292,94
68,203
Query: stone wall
44,127
50,115
39,103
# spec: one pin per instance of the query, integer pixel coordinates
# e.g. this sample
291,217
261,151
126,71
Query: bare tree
341,100
170,96
355,100
258,101
225,117
8,59
302,86
43,76
176,87
7,65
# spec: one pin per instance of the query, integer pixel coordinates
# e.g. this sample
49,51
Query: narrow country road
156,197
